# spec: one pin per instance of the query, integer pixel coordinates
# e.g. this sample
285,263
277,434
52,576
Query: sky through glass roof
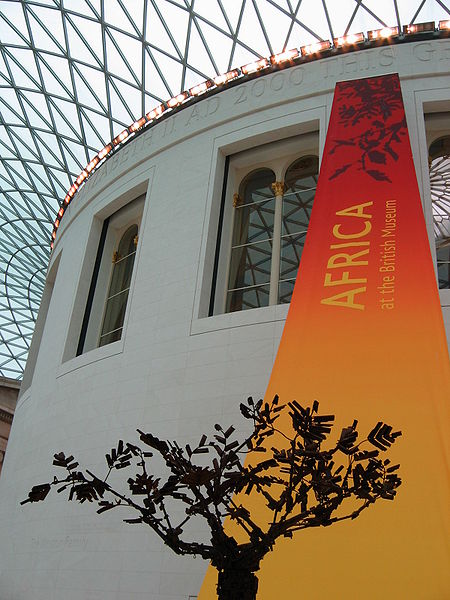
74,73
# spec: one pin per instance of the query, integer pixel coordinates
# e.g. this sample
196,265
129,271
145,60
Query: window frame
113,229
277,156
124,276
437,126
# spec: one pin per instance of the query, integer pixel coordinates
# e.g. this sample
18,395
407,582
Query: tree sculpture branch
302,485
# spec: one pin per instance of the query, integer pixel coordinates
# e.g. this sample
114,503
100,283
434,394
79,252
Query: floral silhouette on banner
373,108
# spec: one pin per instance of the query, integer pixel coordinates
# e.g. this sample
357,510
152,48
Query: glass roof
74,73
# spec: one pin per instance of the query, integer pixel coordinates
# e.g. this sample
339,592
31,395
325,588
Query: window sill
444,296
90,357
240,319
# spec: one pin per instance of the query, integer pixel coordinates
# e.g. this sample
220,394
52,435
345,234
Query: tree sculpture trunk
236,566
237,583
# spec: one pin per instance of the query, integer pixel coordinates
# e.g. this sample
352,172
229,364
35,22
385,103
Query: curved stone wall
175,371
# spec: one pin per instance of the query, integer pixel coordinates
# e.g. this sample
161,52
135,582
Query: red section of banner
367,219
365,337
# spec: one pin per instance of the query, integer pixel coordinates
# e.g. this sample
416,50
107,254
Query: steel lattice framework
74,73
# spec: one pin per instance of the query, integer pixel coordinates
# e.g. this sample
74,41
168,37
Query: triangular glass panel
101,124
66,124
60,182
384,11
56,77
276,25
4,75
151,102
86,95
441,10
176,20
136,11
91,137
215,40
171,70
233,12
5,137
74,156
119,112
312,16
13,24
132,49
10,108
251,29
95,78
24,78
299,36
6,152
33,116
410,11
26,136
192,78
131,96
38,184
89,49
18,174
41,173
340,16
380,13
47,27
32,210
83,8
156,33
211,11
365,21
46,142
429,12
49,157
116,64
117,18
37,102
7,182
198,57
242,56
18,134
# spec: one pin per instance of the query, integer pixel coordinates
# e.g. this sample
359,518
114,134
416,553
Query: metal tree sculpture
301,484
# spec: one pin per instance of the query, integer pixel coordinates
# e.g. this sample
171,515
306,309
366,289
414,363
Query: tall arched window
270,223
301,181
439,157
119,287
251,251
109,289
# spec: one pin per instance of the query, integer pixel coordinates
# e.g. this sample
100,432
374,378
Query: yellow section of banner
364,336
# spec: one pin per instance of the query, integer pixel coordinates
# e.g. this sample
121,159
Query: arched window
270,223
251,251
301,181
109,289
119,287
439,160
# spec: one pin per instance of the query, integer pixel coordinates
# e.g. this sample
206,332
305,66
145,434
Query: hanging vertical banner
364,336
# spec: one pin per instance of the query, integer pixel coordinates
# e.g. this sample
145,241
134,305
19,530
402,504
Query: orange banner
364,336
